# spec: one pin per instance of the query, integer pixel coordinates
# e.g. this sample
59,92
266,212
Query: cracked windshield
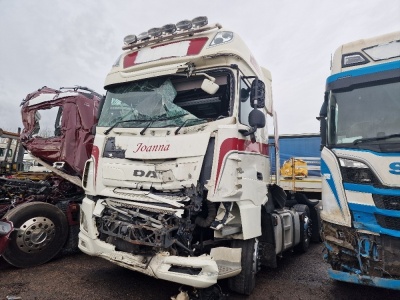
135,104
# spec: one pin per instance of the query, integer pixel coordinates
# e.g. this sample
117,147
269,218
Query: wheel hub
307,228
35,234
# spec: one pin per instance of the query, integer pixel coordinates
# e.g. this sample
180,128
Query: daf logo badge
141,173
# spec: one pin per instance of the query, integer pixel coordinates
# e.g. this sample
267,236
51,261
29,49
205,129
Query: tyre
314,209
245,282
41,230
305,228
316,224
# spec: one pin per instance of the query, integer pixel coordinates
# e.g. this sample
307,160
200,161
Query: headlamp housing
222,38
357,172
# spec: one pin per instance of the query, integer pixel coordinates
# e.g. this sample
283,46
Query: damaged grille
355,252
139,228
388,222
387,202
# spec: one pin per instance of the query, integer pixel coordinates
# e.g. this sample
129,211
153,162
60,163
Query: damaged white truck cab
178,185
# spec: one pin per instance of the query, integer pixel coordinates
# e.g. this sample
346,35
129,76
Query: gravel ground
80,276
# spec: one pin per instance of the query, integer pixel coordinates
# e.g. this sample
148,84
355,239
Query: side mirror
256,119
209,86
322,120
322,129
257,93
101,104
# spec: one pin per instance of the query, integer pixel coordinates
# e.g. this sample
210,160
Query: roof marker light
184,25
222,38
353,59
169,28
155,32
130,39
200,21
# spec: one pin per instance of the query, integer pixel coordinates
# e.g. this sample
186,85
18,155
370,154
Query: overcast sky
65,43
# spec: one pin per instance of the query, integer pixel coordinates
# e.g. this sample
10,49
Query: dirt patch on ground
80,276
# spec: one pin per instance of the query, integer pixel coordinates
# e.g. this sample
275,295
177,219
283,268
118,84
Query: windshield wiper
357,141
119,122
141,120
148,125
159,119
184,123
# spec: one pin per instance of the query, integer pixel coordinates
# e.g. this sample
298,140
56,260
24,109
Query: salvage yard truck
174,165
178,184
360,162
39,211
9,152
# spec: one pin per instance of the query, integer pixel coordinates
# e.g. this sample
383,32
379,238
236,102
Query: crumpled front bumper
365,280
199,272
362,257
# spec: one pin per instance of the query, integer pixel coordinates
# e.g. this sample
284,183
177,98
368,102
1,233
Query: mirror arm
245,132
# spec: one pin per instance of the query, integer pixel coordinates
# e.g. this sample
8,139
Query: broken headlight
356,172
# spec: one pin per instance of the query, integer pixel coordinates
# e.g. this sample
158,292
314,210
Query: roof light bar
184,25
169,28
155,32
160,33
130,39
200,21
143,36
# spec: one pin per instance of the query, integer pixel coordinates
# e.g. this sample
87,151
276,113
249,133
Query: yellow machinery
294,167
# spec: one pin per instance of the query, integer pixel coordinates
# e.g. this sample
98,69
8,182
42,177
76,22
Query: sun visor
136,74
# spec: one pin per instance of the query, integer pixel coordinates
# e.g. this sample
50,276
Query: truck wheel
316,224
305,228
245,282
41,230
